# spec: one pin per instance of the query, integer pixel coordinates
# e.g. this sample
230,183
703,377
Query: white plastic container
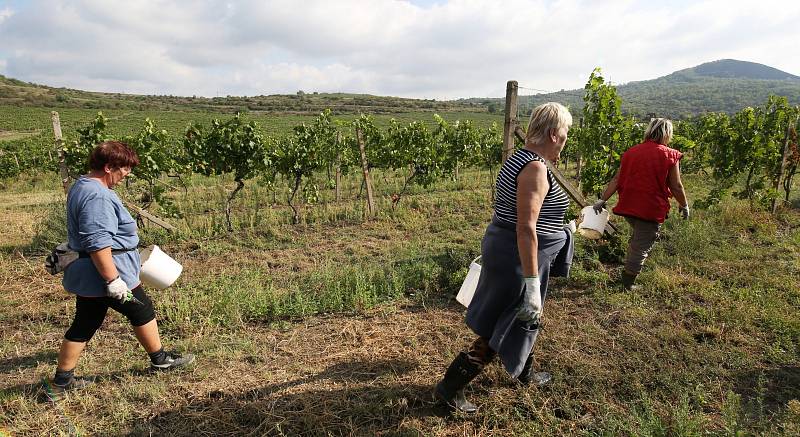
464,296
159,270
592,224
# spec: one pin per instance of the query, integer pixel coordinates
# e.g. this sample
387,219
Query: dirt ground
690,355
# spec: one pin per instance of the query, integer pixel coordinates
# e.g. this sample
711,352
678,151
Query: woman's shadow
353,398
14,364
769,389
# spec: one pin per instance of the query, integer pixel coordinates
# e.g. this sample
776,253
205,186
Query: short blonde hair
659,130
550,115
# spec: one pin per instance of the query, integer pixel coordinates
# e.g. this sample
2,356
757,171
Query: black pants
91,311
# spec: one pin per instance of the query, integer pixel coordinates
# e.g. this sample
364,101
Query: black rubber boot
627,280
450,389
526,376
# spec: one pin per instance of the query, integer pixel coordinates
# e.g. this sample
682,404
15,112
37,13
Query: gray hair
659,130
544,117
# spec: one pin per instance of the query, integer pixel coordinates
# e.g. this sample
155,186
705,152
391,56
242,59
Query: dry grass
19,215
709,346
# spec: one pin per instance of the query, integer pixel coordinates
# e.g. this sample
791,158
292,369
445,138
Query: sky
433,49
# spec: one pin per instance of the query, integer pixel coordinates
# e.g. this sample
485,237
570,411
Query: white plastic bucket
464,296
159,270
592,224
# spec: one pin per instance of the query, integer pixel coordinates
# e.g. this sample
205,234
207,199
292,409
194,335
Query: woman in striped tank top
523,239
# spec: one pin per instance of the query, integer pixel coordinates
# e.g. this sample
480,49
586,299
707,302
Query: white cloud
446,49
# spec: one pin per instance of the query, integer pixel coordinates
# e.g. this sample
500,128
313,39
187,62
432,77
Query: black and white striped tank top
551,216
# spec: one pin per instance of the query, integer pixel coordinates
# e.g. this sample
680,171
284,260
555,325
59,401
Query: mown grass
341,325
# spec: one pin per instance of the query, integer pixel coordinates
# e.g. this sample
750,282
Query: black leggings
91,311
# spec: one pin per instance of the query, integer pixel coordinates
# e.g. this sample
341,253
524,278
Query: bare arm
676,185
611,188
104,263
531,189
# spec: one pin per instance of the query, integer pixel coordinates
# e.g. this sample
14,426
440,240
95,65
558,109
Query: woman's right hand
598,206
118,290
531,309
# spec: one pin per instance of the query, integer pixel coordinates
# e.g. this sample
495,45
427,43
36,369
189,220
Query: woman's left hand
531,310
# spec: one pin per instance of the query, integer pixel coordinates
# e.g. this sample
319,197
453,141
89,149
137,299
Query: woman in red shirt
648,176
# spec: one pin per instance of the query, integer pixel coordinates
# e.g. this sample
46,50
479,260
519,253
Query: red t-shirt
642,185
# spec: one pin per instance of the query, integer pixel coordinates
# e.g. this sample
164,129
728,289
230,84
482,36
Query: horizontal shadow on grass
775,386
17,363
352,399
10,249
565,290
38,391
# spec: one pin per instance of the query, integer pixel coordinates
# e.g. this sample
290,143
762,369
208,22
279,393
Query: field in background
19,122
342,326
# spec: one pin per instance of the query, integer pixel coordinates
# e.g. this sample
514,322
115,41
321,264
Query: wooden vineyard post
510,118
784,164
338,168
578,157
365,167
62,160
573,192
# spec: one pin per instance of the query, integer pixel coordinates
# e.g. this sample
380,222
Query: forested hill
735,69
721,86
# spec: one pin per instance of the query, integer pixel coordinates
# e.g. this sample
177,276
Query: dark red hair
114,153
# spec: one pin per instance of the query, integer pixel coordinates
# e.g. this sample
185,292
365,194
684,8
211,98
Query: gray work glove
598,206
119,290
684,211
531,309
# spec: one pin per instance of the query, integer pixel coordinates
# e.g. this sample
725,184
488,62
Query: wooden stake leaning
150,217
573,192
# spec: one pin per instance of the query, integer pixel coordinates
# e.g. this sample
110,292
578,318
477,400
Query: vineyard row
755,148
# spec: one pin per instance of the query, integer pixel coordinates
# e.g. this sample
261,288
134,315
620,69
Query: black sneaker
57,392
628,282
171,361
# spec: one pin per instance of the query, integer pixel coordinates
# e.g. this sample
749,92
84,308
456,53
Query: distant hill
721,86
736,69
19,93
